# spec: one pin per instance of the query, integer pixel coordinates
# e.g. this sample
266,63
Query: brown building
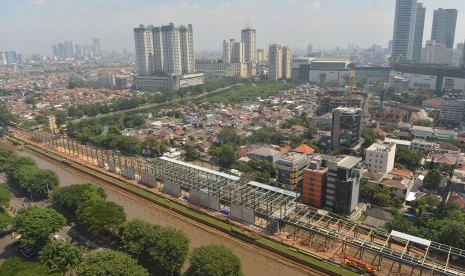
314,185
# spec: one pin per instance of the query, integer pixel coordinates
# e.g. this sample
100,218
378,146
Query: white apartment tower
164,50
279,62
144,50
233,51
287,65
380,157
275,60
248,37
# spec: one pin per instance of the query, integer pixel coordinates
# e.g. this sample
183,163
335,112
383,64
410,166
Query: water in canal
253,263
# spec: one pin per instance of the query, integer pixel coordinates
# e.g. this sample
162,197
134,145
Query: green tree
214,260
229,135
409,158
61,256
455,229
70,199
109,263
162,250
225,155
6,117
5,196
191,153
7,158
432,180
36,225
15,266
101,218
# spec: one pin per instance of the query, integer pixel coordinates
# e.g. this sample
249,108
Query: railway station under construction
276,213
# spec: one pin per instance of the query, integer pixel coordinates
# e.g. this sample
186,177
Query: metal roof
411,238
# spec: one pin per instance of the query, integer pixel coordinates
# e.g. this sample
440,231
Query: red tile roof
304,149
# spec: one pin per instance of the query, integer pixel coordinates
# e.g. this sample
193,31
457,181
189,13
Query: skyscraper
409,22
248,37
233,51
287,65
279,62
444,22
165,57
164,50
275,61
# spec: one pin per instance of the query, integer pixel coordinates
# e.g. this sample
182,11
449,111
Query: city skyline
50,21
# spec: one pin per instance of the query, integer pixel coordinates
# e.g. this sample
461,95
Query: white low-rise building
379,157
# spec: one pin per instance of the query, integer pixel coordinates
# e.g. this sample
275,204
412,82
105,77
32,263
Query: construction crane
351,67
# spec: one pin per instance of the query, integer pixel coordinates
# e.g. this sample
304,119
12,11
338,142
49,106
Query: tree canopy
69,199
15,266
61,256
432,180
109,263
225,155
101,218
162,250
5,196
36,225
214,260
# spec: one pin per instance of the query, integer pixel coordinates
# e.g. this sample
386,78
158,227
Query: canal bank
255,260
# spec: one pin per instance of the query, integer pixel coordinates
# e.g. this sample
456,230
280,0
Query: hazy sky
32,26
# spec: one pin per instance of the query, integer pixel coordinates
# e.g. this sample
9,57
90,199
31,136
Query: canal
253,262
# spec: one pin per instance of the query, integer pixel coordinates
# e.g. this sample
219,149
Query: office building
437,53
444,23
262,56
343,184
409,22
335,99
453,108
379,157
165,57
279,62
216,68
346,128
290,170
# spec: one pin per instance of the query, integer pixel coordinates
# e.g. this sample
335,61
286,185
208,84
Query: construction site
275,213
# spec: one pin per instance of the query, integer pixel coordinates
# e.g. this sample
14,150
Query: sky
32,26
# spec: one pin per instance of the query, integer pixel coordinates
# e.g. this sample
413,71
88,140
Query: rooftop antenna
248,23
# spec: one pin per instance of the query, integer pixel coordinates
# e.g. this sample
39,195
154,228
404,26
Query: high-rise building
409,24
233,51
275,62
144,50
262,56
248,37
444,22
314,184
290,170
279,62
437,53
287,65
343,184
165,57
346,128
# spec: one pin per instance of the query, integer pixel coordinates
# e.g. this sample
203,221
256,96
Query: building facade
444,24
343,185
279,62
409,24
249,38
346,128
163,54
437,53
379,157
290,170
314,184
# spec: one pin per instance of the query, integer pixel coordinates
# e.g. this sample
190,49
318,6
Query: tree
6,117
229,135
37,182
225,155
455,229
15,266
5,196
61,256
69,199
109,263
36,225
191,153
432,180
101,218
162,250
409,158
6,159
214,260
